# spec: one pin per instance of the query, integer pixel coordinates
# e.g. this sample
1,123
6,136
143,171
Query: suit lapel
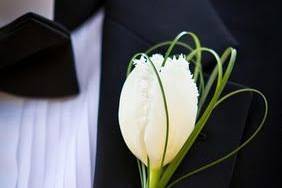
161,20
115,166
223,133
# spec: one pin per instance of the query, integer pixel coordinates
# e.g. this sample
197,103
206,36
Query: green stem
154,178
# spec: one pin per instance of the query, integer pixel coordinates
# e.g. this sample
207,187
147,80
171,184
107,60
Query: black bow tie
36,58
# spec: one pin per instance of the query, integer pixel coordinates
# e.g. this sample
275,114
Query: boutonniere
164,105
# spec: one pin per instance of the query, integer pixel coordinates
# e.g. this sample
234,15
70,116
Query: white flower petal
133,109
142,114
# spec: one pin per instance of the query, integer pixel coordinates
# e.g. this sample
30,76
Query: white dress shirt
51,143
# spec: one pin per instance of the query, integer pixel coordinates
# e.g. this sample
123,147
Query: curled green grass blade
176,42
139,163
144,174
166,109
166,43
197,62
172,45
221,82
232,153
212,78
217,58
130,64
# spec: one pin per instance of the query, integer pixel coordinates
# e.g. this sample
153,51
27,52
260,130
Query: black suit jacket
253,28
135,25
132,26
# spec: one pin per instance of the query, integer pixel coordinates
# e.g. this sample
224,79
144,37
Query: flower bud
142,116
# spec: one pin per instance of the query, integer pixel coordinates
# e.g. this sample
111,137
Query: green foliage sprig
162,178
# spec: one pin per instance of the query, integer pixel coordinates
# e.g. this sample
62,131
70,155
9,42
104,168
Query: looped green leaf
171,168
236,150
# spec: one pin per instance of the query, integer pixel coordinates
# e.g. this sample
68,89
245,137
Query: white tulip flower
142,115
